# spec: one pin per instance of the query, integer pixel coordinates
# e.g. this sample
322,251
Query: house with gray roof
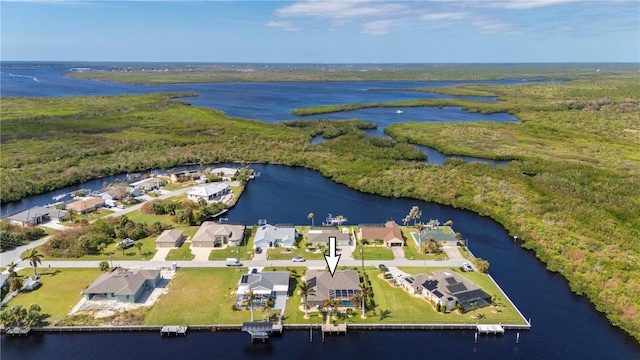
264,285
450,289
170,239
212,234
36,215
123,285
269,236
321,236
342,286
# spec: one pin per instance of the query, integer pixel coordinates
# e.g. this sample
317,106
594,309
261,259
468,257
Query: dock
490,329
18,331
330,328
259,330
173,330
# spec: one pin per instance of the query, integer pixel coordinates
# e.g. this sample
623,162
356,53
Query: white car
298,259
467,267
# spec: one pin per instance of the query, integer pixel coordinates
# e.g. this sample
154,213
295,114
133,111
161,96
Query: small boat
330,220
399,111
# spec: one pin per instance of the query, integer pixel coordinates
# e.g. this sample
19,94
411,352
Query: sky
313,31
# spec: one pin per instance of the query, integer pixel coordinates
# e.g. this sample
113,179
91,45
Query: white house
209,192
269,236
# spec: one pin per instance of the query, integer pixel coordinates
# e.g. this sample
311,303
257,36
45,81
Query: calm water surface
565,326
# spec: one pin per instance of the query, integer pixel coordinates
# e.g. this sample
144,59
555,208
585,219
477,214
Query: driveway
161,254
398,252
201,253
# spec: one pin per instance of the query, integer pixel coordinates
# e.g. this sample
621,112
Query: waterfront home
449,289
389,234
86,205
123,285
36,215
212,234
148,184
269,236
342,286
170,239
225,172
264,286
443,235
321,236
209,192
185,175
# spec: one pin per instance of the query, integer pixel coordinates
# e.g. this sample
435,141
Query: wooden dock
330,328
18,331
173,330
490,329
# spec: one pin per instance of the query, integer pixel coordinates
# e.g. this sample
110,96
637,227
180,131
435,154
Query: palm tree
101,247
331,305
419,230
415,214
250,298
120,246
35,259
11,269
311,216
340,219
139,247
406,220
268,305
305,291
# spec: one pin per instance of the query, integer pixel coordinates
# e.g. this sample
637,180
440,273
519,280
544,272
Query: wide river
564,326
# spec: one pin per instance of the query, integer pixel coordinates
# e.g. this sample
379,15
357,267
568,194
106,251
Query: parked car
127,243
233,262
298,259
467,267
258,250
382,267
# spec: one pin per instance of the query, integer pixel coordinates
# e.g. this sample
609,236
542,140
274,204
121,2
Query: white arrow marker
332,259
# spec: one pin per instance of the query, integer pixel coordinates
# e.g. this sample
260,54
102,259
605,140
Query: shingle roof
36,211
324,282
323,236
169,236
271,280
390,232
209,229
84,204
122,282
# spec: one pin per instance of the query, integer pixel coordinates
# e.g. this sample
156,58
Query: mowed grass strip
60,290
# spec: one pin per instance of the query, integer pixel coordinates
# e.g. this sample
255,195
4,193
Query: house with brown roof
321,236
212,234
389,233
342,286
123,285
85,205
169,239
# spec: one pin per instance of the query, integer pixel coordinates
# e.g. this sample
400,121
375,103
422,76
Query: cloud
521,4
283,25
339,11
444,16
378,27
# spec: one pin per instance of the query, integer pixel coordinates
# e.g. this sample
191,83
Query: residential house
226,173
170,239
86,205
209,192
443,235
450,289
36,215
148,184
342,286
264,285
321,236
269,236
212,234
185,175
123,285
389,233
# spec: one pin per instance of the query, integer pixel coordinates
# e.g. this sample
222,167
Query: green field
570,193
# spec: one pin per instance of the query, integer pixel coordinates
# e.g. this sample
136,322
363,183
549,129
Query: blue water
565,326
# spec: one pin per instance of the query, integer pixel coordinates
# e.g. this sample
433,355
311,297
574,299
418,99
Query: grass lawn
140,217
238,252
374,253
410,251
200,296
178,185
181,253
59,292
